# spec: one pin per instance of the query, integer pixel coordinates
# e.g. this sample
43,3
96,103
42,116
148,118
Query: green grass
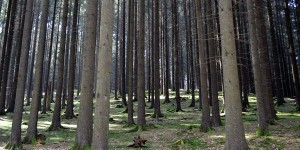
176,130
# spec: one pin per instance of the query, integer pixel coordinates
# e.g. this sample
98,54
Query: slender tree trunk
176,56
47,82
32,124
56,119
122,66
292,55
141,65
72,63
206,123
31,64
117,54
5,63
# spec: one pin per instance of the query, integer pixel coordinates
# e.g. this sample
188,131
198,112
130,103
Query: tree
262,120
72,63
235,135
56,119
157,111
15,139
5,61
216,120
141,66
101,126
84,130
32,124
292,54
129,74
206,123
176,56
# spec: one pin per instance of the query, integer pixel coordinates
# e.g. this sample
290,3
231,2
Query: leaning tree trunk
235,134
32,124
85,120
101,126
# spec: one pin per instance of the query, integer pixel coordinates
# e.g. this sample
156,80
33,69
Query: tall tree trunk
265,62
6,62
205,121
45,104
32,124
72,63
84,131
19,33
122,55
262,120
117,54
56,119
292,54
15,139
101,127
216,120
278,80
129,68
235,134
157,111
141,65
32,58
176,56
167,55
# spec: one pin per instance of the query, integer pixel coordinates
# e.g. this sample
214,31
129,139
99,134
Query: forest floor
176,130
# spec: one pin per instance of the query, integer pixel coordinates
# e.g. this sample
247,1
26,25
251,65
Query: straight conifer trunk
235,135
101,126
32,124
15,140
84,131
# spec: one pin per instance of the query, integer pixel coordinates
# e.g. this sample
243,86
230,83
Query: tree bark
15,140
235,134
141,65
32,124
85,120
101,126
205,122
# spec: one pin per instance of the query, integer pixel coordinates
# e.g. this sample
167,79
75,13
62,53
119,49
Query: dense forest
169,74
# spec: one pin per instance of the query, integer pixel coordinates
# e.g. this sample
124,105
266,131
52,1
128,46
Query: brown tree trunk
141,66
176,56
15,140
32,124
56,119
129,68
84,131
101,126
205,122
261,104
235,135
292,55
72,63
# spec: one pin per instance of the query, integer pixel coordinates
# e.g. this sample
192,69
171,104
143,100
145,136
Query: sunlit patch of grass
189,143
